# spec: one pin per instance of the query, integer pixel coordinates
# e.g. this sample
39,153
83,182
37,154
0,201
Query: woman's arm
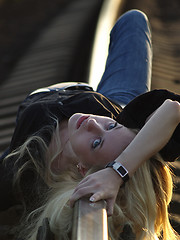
152,137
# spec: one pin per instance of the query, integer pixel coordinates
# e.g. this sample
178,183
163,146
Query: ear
82,169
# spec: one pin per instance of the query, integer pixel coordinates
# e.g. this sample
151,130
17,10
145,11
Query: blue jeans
128,67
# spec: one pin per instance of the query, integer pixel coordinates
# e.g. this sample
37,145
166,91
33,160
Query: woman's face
97,140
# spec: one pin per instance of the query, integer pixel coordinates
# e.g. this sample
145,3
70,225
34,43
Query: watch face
122,170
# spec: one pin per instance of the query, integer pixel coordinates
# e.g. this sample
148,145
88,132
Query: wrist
114,177
129,161
119,169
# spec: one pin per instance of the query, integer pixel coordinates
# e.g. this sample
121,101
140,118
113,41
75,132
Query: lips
81,120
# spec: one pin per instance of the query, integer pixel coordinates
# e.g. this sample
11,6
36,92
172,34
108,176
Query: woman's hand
103,184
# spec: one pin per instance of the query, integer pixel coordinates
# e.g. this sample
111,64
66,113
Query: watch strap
120,169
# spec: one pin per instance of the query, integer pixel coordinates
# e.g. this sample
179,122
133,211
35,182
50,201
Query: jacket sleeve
136,112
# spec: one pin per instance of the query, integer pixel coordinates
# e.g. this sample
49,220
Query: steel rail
90,220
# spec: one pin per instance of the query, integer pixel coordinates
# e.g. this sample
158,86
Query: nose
93,126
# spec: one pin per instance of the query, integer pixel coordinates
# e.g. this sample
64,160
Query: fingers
82,191
96,191
103,184
94,198
86,187
110,206
97,196
110,202
79,193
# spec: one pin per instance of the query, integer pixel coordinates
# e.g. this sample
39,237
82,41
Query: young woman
150,139
141,206
43,144
127,75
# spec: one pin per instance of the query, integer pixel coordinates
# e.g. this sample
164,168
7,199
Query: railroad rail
52,57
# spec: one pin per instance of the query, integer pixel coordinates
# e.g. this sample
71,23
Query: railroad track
52,57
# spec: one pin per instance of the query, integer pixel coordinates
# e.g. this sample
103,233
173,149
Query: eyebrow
118,127
101,145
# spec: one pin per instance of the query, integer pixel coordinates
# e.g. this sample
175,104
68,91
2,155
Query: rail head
90,220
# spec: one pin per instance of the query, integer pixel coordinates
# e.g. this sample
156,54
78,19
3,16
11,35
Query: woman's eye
96,143
112,125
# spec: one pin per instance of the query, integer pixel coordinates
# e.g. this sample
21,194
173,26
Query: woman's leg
128,67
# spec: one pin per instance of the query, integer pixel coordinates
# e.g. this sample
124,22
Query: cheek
126,139
81,148
78,144
69,154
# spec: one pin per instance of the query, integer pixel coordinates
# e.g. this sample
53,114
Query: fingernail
91,199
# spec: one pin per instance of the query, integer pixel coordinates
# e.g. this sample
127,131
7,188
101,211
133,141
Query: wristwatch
120,169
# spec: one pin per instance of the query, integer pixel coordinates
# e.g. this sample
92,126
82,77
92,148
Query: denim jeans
128,67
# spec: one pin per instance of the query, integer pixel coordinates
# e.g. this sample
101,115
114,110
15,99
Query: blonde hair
30,161
142,204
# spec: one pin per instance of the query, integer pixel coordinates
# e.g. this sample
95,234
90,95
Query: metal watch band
120,169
